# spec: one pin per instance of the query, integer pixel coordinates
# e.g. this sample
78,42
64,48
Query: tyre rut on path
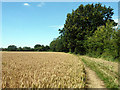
93,81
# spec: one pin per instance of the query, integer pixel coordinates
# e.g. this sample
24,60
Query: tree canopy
37,47
12,48
88,29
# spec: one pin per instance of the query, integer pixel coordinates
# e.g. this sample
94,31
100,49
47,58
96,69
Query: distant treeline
89,30
37,47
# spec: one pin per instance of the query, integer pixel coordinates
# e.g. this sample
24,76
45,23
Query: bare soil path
93,80
106,70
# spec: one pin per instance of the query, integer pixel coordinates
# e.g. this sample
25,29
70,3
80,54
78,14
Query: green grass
108,80
107,57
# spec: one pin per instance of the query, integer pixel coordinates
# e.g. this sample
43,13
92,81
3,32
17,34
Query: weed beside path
106,70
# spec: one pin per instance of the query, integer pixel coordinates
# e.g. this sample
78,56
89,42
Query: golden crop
42,70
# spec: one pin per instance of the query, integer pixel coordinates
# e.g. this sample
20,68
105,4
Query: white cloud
57,26
26,4
41,4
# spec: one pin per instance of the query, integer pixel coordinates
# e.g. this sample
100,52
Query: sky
31,23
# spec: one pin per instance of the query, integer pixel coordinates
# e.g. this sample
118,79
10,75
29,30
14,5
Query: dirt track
106,70
93,81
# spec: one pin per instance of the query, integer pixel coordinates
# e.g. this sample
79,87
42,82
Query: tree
102,43
116,44
20,49
53,45
37,47
26,48
82,23
46,48
57,45
12,48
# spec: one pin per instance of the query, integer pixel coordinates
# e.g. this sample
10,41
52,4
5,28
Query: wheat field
42,70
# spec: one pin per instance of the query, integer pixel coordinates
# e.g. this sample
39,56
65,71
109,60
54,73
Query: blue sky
30,23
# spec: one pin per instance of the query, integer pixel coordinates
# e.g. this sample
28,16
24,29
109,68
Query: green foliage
89,30
26,49
19,49
53,45
57,45
12,48
39,47
104,42
82,23
47,48
3,49
97,67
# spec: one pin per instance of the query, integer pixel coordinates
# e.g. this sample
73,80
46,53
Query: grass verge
102,74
